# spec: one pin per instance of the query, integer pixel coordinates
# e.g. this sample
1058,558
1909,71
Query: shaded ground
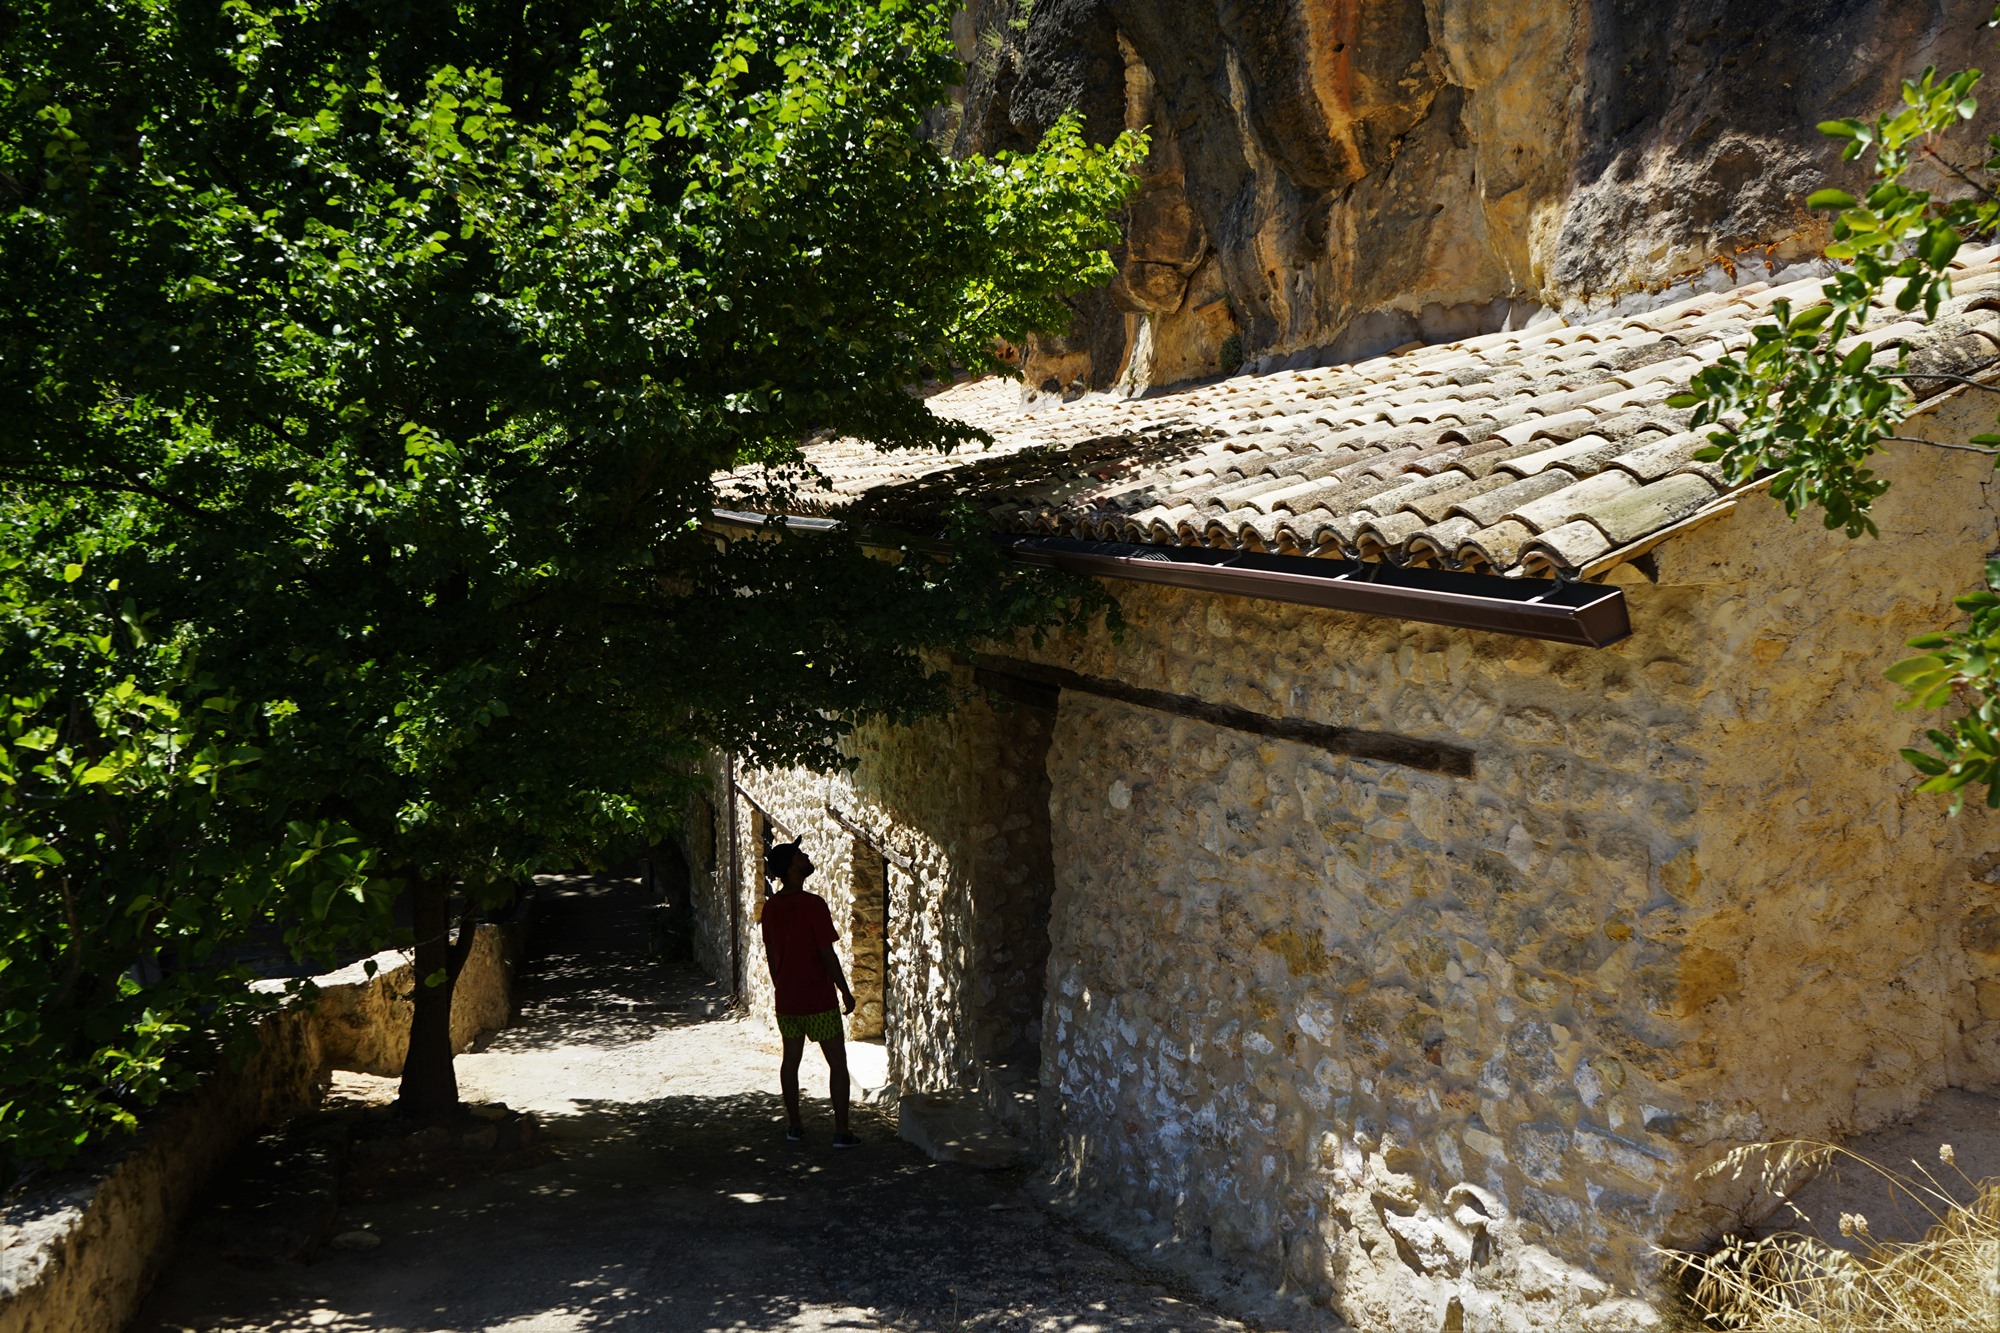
669,1199
1895,1177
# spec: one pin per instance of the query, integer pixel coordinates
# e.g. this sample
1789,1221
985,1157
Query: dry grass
1793,1283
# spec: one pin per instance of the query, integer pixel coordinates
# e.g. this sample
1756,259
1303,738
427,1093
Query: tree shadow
677,1211
1037,477
692,1213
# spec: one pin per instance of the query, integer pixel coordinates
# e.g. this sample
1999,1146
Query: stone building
1485,821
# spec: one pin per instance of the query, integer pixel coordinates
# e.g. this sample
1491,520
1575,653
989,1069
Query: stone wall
1830,928
1411,1042
1362,1031
363,1022
79,1253
1332,178
967,866
867,938
1414,1044
707,827
923,953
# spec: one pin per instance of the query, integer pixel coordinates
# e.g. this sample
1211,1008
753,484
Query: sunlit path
670,1200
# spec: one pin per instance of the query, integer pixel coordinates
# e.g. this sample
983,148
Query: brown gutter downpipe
1593,615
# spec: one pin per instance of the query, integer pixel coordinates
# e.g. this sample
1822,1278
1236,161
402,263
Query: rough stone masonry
1427,1047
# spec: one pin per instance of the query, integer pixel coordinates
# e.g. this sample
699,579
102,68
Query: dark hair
779,859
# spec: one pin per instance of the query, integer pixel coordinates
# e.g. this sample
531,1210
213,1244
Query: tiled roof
1545,451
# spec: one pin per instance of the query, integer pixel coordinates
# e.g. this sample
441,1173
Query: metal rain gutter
1589,614
1584,613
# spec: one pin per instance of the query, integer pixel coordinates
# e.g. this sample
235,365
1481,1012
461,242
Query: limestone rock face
1333,178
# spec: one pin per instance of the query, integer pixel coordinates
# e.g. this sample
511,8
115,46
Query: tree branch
1935,375
1958,171
73,968
1940,444
129,485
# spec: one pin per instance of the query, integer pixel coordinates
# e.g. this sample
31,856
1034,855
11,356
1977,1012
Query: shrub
1794,1283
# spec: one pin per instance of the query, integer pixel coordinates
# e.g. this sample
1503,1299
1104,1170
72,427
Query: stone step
956,1128
868,1068
1011,1095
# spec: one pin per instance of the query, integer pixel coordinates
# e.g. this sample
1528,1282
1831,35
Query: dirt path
670,1200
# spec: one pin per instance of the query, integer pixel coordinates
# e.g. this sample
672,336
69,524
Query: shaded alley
664,1196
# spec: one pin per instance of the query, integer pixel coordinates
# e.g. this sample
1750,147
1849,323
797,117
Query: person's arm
830,960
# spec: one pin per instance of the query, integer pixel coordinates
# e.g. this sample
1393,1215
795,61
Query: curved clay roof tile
1560,552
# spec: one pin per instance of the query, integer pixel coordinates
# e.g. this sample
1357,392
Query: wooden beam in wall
776,824
868,840
1006,676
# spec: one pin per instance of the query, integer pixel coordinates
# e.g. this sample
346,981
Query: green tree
1811,401
139,855
385,355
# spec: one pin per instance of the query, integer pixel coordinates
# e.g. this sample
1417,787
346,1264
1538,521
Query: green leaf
1924,763
1832,198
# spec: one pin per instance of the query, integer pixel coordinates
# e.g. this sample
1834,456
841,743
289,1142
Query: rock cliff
1333,178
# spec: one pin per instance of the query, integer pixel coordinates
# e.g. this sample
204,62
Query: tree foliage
140,854
1811,401
381,357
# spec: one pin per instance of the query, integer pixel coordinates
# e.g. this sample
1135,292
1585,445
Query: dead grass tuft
1795,1283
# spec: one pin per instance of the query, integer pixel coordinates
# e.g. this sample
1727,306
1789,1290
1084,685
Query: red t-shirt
795,926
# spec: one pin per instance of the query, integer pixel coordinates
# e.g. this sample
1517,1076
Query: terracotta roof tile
1526,451
1443,504
1496,547
1411,486
1634,513
1568,503
1582,456
1493,506
1439,543
1571,546
1672,453
1380,537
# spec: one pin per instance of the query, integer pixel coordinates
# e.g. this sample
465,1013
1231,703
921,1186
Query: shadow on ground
671,1201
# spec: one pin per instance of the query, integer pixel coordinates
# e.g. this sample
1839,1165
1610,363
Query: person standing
806,974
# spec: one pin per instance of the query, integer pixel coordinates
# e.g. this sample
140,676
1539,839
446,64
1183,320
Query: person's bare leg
788,1081
835,1052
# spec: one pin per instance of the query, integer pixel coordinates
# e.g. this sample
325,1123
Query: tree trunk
430,1084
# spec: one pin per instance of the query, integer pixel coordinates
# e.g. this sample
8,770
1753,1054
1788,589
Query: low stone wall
364,1022
78,1255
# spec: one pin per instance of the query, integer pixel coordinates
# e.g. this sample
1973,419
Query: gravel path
667,1198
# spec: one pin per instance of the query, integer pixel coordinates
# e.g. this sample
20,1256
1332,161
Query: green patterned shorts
813,1027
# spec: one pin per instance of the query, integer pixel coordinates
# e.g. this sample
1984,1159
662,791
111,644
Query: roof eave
1590,615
